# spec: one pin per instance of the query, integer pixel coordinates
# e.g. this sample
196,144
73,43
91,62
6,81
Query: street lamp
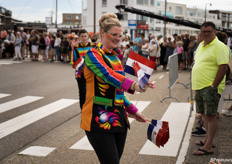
205,9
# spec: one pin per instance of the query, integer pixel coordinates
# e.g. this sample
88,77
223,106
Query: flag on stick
146,65
158,132
142,78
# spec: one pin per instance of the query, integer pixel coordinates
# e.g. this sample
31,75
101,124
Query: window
152,3
145,18
138,17
84,21
77,17
179,10
104,2
140,2
151,20
125,16
123,2
68,16
145,2
84,5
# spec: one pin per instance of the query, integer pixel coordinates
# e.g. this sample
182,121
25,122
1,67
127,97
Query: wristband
134,86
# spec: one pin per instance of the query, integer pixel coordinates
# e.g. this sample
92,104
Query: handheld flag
147,65
142,78
158,132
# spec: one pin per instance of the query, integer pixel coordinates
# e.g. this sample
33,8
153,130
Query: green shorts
207,100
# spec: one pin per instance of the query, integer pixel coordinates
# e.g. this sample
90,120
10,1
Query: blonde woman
104,114
17,44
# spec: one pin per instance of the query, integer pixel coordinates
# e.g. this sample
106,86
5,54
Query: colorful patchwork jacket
106,106
77,54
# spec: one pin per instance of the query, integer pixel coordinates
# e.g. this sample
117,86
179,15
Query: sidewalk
222,140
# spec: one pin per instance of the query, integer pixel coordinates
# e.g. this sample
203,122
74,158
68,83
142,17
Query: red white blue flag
142,78
146,65
158,132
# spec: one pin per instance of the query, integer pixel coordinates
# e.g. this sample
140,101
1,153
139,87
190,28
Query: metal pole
165,10
205,9
94,16
56,14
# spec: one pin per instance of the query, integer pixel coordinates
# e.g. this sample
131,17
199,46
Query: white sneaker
227,112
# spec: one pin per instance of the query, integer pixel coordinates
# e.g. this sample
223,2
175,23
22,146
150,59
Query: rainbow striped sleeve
94,61
130,108
74,55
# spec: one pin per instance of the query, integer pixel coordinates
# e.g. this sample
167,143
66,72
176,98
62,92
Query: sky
37,10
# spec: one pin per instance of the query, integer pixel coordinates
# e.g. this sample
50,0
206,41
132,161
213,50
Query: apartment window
124,2
84,21
151,20
77,17
152,3
157,29
145,18
104,2
179,10
103,12
125,16
138,17
140,2
145,2
68,17
84,4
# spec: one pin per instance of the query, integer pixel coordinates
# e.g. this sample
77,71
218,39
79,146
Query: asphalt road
54,82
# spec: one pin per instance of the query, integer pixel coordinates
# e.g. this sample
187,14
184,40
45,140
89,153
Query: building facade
149,25
71,19
6,19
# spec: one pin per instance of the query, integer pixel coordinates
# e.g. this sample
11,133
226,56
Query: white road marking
185,143
4,95
161,76
22,121
83,144
177,115
38,151
18,102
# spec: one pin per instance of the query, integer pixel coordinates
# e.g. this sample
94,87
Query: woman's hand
140,117
135,86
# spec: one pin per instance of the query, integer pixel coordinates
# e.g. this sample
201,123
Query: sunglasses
208,32
116,35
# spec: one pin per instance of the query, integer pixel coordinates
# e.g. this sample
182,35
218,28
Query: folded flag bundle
158,132
146,65
142,78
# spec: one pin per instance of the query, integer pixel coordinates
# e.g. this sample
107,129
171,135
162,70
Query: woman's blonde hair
109,20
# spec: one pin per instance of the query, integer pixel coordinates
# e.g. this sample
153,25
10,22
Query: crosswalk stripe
177,115
4,95
39,151
84,144
161,76
21,121
18,102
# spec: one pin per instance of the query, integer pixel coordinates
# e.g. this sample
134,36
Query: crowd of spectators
57,47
